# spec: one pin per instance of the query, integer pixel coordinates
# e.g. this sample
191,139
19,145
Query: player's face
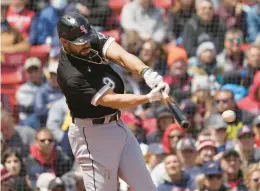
78,50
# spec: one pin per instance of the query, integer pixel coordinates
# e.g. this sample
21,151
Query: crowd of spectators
208,51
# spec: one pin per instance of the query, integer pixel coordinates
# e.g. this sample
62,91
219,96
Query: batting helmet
75,28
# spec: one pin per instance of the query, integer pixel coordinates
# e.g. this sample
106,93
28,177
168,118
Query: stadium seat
166,4
14,75
14,59
40,51
117,4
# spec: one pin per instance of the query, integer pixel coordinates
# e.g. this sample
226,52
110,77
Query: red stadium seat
114,33
117,4
41,51
14,75
166,4
14,59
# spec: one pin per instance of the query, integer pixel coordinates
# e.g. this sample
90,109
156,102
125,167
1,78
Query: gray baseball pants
106,152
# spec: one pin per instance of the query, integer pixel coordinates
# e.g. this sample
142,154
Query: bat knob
185,124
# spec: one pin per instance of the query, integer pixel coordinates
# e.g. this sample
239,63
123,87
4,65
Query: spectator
201,98
190,111
175,178
154,155
3,143
233,15
26,93
18,137
58,122
251,103
179,14
12,40
5,180
224,100
186,151
252,177
245,147
203,26
206,149
253,23
211,178
20,17
47,95
252,62
50,182
45,157
205,61
96,11
73,180
232,57
218,129
152,55
231,164
44,25
256,129
178,78
164,119
144,18
13,162
173,133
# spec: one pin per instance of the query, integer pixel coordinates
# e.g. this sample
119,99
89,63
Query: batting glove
152,78
156,93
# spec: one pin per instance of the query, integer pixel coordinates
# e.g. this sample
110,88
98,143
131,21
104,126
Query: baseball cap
155,148
57,182
256,120
186,143
244,130
188,108
52,68
230,152
44,180
32,62
215,121
208,45
206,143
212,168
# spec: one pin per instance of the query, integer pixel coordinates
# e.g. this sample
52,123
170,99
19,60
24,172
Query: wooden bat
176,112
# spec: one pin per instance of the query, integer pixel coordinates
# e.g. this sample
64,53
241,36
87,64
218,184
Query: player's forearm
121,101
132,63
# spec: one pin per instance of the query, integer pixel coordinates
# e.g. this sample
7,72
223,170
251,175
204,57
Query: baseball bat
177,113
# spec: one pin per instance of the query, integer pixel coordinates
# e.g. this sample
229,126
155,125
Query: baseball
229,116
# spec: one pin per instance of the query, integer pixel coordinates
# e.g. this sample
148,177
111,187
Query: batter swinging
101,144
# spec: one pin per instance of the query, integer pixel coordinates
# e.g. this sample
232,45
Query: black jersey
82,81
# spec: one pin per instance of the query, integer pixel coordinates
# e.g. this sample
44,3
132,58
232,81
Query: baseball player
101,144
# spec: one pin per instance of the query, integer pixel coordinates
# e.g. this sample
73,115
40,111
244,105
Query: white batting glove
152,78
166,90
156,94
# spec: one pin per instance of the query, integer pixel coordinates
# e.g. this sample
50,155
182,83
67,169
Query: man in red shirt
256,128
20,17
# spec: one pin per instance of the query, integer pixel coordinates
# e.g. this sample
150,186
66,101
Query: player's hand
156,93
166,90
152,78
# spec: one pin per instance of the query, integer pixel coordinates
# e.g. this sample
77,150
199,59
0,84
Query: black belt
114,117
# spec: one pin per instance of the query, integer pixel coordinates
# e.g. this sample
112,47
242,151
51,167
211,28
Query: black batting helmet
75,28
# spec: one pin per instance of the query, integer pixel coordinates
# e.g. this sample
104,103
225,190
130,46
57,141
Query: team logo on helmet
83,29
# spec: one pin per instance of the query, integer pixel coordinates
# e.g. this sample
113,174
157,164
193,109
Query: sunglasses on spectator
214,176
173,136
225,101
237,39
256,180
44,140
